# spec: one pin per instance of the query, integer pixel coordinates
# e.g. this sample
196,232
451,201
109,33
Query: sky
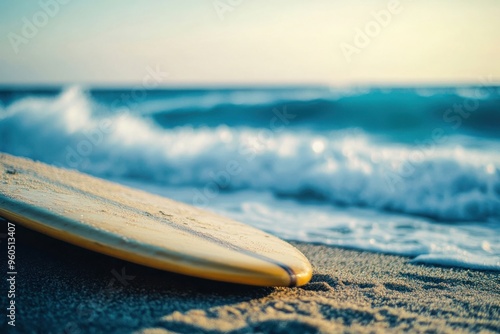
249,42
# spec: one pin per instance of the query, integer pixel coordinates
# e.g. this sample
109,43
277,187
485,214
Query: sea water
409,171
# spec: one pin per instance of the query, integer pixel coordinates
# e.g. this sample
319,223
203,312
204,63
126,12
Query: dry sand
66,289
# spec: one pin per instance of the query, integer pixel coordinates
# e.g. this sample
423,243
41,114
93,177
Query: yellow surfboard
143,228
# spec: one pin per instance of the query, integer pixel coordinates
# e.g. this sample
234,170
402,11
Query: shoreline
64,288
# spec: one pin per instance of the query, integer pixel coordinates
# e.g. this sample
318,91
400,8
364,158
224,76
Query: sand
66,289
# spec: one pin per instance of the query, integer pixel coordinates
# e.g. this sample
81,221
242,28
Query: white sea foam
455,180
447,182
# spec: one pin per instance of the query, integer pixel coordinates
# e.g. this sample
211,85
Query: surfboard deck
144,228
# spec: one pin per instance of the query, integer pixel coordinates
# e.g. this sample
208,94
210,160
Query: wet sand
65,289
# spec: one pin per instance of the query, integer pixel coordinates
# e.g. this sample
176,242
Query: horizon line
256,85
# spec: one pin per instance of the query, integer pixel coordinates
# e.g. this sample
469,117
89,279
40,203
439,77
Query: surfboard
143,228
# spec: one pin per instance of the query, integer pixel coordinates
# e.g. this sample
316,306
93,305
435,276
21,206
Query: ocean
408,171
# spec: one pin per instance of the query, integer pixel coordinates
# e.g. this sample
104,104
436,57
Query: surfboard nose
144,228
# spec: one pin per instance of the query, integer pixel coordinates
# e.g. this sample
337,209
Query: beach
249,167
325,190
67,289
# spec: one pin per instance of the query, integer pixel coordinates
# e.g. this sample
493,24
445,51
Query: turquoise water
410,171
